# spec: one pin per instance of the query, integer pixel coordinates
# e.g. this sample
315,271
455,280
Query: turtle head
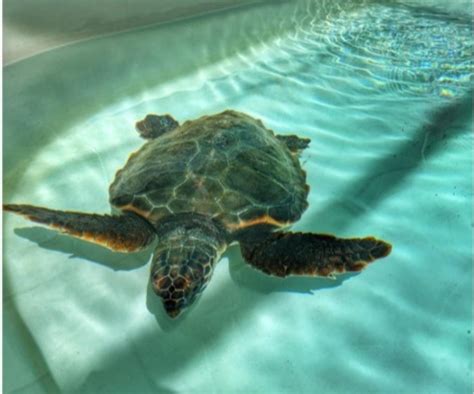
182,266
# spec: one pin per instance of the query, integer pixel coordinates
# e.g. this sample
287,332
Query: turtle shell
227,166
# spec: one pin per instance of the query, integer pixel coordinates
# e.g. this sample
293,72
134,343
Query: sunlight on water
383,91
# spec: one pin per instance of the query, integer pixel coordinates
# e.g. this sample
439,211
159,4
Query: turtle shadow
245,276
155,307
76,248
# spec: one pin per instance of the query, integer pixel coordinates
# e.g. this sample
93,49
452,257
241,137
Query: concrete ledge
32,26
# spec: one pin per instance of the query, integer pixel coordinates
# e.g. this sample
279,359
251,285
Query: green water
383,91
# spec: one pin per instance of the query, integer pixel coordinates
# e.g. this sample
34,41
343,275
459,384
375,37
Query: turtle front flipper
284,254
124,233
155,125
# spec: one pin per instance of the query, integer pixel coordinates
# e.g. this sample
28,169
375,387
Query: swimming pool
383,89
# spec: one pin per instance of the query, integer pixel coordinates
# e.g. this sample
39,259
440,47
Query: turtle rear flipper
294,143
155,125
124,233
284,254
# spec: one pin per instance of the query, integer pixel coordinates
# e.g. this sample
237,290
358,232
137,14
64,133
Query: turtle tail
124,233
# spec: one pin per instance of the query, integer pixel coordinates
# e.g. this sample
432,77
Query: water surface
384,93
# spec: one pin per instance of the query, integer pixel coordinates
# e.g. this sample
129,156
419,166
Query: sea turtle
198,187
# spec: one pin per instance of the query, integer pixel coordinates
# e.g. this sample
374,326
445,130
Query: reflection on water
405,48
382,91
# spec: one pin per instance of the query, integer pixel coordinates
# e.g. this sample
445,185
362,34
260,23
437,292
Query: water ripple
405,49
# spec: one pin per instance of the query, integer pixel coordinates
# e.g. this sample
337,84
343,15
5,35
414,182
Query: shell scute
254,185
179,205
237,201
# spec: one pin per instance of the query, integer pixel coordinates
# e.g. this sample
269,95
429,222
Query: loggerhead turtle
197,188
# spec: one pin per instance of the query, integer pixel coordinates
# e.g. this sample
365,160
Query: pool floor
384,93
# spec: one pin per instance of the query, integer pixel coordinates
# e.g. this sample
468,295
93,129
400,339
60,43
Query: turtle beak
172,310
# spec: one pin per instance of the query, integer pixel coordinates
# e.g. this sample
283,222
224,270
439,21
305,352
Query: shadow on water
76,248
389,171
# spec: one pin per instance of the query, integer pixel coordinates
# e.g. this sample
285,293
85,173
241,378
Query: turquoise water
384,92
